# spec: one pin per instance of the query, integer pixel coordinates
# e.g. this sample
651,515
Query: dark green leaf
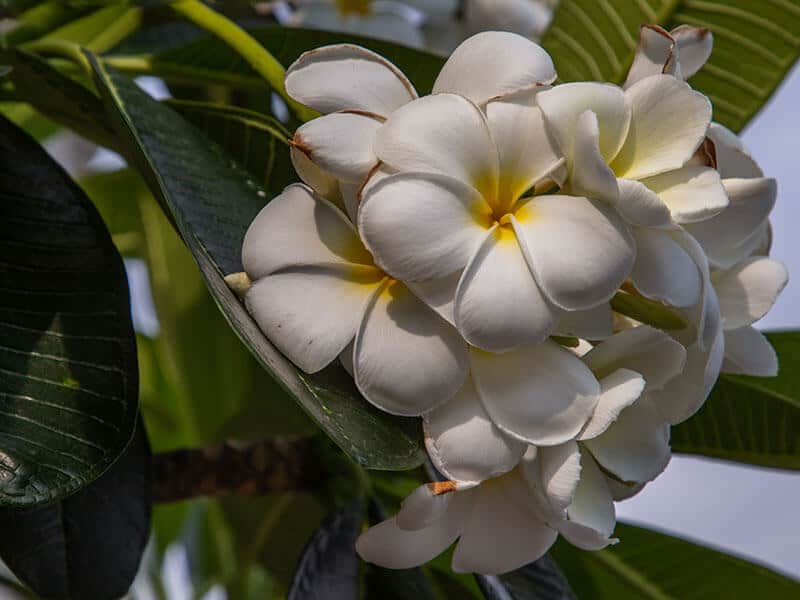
211,60
38,20
256,141
753,420
540,580
213,201
100,29
651,565
58,97
755,45
88,545
329,566
68,376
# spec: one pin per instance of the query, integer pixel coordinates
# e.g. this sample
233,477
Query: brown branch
261,468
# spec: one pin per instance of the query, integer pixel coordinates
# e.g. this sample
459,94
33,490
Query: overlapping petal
748,352
748,290
692,193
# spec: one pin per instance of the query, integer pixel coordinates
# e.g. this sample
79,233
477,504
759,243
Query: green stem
68,50
120,28
248,48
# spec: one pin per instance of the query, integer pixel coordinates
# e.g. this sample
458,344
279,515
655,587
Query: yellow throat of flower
353,7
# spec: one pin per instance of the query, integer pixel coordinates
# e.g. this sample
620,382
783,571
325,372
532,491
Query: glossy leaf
88,545
212,201
650,565
58,97
540,580
256,141
329,566
755,45
68,376
212,61
752,420
101,29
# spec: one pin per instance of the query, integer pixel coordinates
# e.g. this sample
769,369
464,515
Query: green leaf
68,377
212,201
38,20
651,565
58,97
752,420
100,30
210,60
88,545
540,580
256,141
755,45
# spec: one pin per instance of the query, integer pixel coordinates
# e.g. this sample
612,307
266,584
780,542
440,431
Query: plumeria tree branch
270,466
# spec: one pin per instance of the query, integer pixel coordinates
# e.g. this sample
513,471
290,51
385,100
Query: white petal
344,76
439,294
350,199
422,226
525,18
635,448
541,394
748,352
388,546
747,291
664,270
563,104
590,175
591,514
654,54
618,390
445,134
592,324
579,250
464,444
623,491
733,159
492,64
691,193
300,228
407,359
498,305
640,205
311,314
503,531
735,233
323,183
694,47
340,143
527,153
648,351
668,122
422,508
560,472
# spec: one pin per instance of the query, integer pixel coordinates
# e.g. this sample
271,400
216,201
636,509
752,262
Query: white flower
525,17
317,294
459,205
357,90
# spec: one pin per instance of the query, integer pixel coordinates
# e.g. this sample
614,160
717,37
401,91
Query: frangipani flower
317,294
525,17
458,204
508,521
357,90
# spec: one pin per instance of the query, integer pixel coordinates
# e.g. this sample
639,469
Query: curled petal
322,182
618,391
311,314
579,250
748,352
300,228
464,444
540,394
591,516
498,305
655,54
694,47
668,123
406,359
747,291
691,193
640,205
664,270
733,159
340,143
560,472
493,64
591,176
344,76
422,226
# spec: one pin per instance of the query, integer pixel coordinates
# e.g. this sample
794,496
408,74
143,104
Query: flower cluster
549,275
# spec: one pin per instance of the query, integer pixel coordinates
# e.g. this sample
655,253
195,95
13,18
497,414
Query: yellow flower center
354,7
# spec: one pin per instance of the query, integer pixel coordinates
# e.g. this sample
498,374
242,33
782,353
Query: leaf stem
243,43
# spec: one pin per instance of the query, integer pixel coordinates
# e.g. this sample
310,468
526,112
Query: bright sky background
752,512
